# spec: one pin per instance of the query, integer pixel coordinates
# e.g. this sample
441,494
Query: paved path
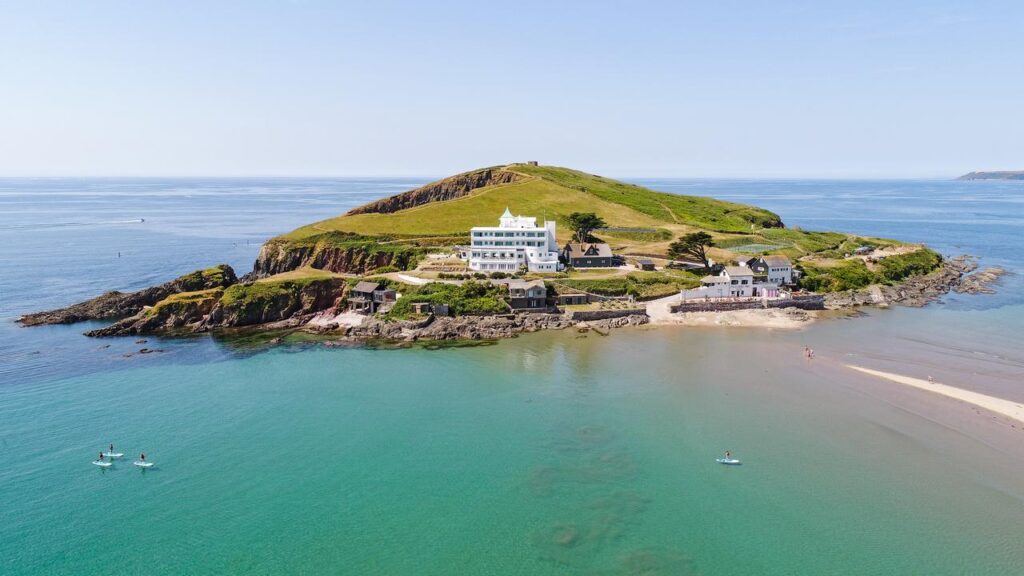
658,310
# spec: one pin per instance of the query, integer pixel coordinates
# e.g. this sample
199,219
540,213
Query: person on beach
807,351
810,353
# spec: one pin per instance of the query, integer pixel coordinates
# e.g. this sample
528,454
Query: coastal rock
280,305
917,291
441,190
287,300
475,327
120,304
336,252
978,282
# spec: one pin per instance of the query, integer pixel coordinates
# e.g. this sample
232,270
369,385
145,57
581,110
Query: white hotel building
517,240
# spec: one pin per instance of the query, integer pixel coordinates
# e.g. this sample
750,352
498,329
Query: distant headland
996,175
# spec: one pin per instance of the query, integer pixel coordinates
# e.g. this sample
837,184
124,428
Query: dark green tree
583,223
694,244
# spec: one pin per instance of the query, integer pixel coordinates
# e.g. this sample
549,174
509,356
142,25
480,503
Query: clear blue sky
729,88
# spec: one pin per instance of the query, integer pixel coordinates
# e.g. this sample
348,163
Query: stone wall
591,315
808,302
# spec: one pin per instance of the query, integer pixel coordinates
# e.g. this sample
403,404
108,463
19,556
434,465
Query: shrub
898,267
468,298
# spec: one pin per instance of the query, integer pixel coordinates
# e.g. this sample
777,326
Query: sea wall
803,302
592,315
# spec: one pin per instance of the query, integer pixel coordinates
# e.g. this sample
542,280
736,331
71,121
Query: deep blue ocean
553,453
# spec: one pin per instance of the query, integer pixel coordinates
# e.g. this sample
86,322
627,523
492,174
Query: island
521,247
998,175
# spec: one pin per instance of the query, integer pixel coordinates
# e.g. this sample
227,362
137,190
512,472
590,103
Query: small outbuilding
645,264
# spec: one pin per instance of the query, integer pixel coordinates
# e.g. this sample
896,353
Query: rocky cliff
446,189
334,252
120,304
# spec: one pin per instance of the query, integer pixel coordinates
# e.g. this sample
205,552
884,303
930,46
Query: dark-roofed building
526,296
369,297
777,269
645,264
588,255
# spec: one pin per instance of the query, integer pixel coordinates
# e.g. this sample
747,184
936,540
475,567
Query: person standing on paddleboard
142,457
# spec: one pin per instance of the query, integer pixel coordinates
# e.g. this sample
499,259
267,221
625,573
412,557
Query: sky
773,89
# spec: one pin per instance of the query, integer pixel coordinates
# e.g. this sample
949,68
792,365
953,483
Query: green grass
538,198
265,291
184,300
643,285
898,267
853,274
553,193
697,211
638,234
209,277
469,298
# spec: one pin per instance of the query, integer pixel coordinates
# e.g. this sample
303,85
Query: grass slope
553,193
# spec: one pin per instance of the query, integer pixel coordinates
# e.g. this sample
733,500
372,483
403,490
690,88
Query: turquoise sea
552,453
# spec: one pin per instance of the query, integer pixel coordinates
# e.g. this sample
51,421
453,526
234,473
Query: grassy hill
396,233
553,193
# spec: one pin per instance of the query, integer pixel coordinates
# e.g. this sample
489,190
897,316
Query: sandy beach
773,318
1007,408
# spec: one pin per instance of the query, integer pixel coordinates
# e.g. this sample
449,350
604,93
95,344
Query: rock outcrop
120,304
471,327
917,291
446,189
979,282
241,305
336,252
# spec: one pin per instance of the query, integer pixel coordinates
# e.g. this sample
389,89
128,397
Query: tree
583,223
694,244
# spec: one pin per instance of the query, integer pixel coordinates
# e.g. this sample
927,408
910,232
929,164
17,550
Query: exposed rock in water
121,304
917,291
978,282
447,189
241,305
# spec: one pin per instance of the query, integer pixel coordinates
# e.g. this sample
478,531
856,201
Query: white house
732,282
778,269
515,241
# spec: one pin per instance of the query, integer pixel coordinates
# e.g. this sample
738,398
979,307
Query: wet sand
1008,408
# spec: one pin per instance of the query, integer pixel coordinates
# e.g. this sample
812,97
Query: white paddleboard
101,463
112,454
728,461
143,464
